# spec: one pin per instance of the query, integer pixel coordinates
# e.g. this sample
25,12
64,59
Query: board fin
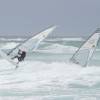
83,55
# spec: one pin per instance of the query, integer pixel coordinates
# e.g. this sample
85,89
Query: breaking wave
58,48
12,39
9,45
66,39
53,48
35,74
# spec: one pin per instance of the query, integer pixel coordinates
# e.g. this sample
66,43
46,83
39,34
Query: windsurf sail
33,42
28,45
83,55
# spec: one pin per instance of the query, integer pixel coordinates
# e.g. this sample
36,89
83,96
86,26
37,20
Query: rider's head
23,50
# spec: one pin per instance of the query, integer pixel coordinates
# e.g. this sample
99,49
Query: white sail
32,43
85,52
28,45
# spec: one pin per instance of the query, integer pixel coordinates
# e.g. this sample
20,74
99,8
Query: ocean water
47,74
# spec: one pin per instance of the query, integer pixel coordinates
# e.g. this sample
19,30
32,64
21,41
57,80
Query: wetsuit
21,55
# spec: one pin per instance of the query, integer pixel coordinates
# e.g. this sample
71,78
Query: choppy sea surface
47,74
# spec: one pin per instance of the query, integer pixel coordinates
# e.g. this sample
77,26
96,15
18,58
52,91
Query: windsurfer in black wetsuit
20,56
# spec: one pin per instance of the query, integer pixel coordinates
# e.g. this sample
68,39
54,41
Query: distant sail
83,55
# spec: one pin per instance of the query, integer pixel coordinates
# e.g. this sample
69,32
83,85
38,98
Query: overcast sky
74,17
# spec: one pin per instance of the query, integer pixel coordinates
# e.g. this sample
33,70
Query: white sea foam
33,74
58,48
12,39
54,48
9,45
66,39
73,39
38,79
